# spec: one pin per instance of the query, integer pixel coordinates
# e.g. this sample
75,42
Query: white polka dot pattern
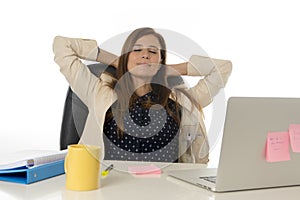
149,134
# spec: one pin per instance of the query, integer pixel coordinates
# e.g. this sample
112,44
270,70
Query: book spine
45,171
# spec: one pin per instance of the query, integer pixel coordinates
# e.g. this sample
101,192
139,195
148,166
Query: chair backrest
75,111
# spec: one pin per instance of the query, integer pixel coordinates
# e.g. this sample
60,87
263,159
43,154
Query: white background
261,38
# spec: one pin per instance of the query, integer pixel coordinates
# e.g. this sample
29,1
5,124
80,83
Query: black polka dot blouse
150,134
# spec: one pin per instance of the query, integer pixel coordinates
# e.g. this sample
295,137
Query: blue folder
27,175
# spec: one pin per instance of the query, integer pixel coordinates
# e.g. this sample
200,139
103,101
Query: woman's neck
143,90
143,87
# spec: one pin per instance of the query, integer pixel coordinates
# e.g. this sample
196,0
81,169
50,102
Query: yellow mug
82,167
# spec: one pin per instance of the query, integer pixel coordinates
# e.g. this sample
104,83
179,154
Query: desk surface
121,185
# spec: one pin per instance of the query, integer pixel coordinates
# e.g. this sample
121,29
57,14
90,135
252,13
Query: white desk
121,186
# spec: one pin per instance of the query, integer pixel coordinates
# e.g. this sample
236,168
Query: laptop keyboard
209,178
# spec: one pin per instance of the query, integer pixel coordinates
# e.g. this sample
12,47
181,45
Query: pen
107,170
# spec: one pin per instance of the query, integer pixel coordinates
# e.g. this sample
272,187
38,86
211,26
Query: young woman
137,115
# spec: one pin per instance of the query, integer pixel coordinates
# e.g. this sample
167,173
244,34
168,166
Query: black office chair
75,111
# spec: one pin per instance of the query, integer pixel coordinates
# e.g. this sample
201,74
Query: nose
145,54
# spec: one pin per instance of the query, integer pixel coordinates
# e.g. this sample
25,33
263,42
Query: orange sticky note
294,131
277,147
146,169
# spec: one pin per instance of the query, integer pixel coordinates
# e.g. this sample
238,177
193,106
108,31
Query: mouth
143,64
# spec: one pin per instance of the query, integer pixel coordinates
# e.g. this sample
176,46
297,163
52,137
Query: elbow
58,44
229,63
226,71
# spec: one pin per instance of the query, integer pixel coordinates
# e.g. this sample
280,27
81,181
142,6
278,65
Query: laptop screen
243,163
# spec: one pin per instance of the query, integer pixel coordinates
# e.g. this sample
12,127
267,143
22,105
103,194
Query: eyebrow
152,46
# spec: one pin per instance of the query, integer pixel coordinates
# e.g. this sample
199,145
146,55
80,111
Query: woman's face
144,59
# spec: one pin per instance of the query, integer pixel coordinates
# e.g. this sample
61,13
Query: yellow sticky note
277,147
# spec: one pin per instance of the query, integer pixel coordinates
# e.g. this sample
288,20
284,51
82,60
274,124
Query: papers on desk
29,158
30,166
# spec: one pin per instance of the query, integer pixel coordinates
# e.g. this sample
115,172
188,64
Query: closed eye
154,52
150,50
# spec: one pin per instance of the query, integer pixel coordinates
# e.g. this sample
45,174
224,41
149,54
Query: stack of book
30,166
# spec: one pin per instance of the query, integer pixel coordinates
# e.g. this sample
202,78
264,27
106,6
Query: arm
216,73
68,54
107,58
177,69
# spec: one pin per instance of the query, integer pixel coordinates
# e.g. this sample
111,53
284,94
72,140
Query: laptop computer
242,164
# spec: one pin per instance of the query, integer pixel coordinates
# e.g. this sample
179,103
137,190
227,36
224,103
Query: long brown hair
124,87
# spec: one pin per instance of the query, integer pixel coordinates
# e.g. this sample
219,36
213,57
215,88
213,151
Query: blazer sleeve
69,53
215,74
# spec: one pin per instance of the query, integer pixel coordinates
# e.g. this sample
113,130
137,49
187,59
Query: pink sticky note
294,131
277,147
146,169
